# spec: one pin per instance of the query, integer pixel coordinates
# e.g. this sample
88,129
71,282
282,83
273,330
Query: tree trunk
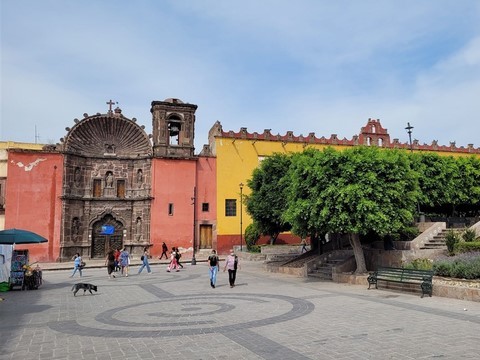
314,242
358,252
322,241
273,238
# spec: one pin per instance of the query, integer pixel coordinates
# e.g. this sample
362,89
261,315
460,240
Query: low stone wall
456,288
281,249
298,272
442,287
251,256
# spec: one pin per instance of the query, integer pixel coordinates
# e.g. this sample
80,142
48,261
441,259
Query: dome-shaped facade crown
108,136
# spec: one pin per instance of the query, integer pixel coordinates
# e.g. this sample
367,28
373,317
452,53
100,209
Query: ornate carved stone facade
107,181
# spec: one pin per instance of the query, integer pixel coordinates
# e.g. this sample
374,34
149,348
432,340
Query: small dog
85,287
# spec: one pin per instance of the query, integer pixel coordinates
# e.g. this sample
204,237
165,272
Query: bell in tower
173,128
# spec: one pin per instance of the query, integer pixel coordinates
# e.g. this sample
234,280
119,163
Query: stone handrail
434,229
476,227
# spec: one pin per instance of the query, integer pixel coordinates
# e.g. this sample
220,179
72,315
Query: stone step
320,276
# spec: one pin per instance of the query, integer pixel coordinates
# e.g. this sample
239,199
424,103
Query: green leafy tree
267,201
310,179
353,192
252,234
468,183
448,186
438,179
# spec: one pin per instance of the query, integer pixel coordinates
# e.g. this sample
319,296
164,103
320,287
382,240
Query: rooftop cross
110,103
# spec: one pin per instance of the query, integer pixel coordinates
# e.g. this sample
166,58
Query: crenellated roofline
373,134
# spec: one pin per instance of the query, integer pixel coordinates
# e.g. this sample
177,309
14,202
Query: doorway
103,243
206,232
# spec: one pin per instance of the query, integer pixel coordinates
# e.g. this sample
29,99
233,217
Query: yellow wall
235,163
236,159
454,154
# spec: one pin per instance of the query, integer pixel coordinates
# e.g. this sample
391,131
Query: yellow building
239,153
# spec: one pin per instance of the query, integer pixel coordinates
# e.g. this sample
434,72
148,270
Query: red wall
32,199
173,181
207,188
227,242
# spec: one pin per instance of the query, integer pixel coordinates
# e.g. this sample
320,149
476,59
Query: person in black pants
231,264
178,256
164,251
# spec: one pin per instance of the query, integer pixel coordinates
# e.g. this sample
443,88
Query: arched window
369,141
380,142
174,128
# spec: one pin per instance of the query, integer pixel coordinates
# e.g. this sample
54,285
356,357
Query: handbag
142,257
82,264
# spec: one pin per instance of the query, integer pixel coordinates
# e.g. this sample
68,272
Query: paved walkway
266,316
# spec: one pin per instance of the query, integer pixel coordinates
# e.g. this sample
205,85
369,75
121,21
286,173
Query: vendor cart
17,270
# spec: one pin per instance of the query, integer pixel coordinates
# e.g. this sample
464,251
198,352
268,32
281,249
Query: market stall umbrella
18,236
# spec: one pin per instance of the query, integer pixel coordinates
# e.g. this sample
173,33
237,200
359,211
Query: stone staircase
324,269
438,242
299,260
318,267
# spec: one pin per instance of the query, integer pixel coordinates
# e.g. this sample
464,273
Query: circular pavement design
189,315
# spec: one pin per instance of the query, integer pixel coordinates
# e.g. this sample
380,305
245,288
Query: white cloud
308,66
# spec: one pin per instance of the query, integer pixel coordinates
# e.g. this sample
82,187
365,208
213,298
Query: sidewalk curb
101,264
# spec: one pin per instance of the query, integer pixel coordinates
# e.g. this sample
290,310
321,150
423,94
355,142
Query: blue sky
306,65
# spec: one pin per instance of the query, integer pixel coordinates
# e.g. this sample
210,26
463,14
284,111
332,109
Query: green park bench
403,276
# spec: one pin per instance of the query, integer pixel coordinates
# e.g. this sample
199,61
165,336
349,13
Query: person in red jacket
116,254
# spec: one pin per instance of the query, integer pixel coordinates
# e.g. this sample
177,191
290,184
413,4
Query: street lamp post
409,131
241,213
194,261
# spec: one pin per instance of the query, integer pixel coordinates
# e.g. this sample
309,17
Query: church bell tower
173,123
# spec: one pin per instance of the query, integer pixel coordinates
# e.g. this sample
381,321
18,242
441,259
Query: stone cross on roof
110,104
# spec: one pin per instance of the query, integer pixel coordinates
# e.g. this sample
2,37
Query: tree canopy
267,201
358,191
447,183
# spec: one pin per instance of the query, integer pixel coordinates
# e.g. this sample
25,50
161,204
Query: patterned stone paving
265,316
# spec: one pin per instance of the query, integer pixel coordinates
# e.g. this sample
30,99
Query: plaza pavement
266,316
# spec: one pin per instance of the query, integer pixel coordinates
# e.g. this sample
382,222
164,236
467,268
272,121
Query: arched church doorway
106,235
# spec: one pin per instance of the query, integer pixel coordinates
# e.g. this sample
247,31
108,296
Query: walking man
214,266
304,245
164,251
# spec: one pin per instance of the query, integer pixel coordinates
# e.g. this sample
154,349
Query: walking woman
231,264
77,264
124,261
110,263
145,263
173,261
